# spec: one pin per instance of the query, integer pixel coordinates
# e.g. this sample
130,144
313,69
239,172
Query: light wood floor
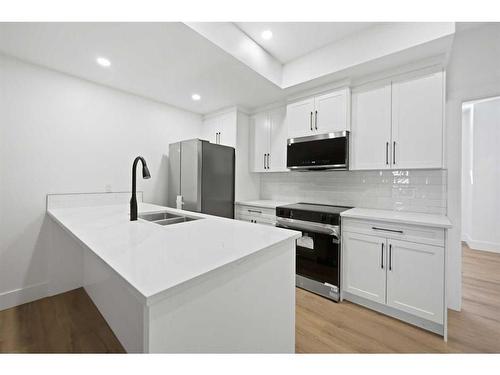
66,323
69,322
326,327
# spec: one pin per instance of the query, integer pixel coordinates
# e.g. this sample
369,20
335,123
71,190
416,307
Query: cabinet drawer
404,232
258,220
256,211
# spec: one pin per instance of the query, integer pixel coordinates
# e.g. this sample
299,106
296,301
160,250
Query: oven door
317,256
323,151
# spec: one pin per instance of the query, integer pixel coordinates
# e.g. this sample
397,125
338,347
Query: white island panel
247,307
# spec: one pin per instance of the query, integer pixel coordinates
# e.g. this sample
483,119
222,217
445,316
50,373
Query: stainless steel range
318,251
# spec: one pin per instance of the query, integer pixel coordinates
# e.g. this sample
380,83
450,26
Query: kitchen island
206,285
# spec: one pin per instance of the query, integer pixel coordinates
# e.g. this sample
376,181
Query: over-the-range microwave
317,152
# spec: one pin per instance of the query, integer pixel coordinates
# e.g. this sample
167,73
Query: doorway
481,174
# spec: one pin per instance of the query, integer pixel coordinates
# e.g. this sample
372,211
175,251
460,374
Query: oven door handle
331,230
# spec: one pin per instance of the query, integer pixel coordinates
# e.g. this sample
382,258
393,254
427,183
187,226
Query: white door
417,122
331,112
210,130
415,279
278,141
227,129
365,262
371,129
299,118
260,126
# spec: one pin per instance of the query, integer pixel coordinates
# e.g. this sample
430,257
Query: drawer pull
382,257
255,211
390,257
388,230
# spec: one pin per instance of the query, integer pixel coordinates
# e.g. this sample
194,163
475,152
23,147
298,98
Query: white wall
61,134
481,176
467,139
473,72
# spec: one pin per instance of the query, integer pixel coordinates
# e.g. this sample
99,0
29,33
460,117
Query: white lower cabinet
415,282
385,271
364,266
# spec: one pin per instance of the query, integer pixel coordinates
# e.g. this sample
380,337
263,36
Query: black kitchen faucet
145,175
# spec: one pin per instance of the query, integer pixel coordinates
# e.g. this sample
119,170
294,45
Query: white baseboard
493,247
23,295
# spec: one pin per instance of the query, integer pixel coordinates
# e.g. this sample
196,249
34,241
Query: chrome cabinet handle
390,257
311,121
388,230
255,211
316,120
268,157
394,152
382,257
386,153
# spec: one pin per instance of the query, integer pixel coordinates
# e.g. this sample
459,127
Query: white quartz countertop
415,218
154,258
264,203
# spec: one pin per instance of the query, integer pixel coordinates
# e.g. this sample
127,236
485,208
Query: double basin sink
165,218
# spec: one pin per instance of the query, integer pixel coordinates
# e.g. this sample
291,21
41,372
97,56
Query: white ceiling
170,61
166,62
294,39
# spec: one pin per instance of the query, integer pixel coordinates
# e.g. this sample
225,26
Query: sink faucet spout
145,175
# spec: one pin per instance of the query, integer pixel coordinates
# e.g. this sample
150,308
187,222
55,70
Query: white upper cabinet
399,125
268,141
331,112
415,281
278,141
417,122
260,128
365,265
220,129
371,129
321,114
210,130
299,117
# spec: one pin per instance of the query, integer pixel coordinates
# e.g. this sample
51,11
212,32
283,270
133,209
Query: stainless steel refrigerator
201,177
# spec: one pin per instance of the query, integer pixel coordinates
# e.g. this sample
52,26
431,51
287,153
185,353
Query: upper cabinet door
278,141
371,129
364,265
331,113
417,122
210,130
415,279
299,118
260,128
227,129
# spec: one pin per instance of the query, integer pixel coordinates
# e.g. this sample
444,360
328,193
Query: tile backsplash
403,190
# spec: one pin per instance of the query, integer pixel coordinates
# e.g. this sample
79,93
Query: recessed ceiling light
267,34
195,97
102,61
